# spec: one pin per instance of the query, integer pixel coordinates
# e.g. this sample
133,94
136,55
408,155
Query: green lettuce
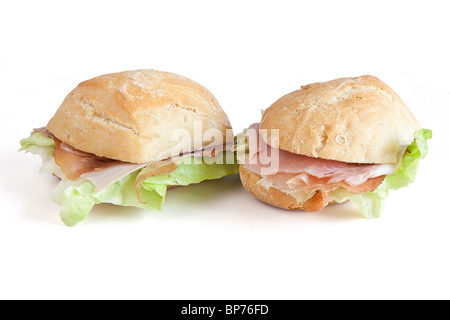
372,203
78,197
44,147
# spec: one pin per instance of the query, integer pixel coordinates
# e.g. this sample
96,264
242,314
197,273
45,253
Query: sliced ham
287,162
103,178
154,169
103,172
291,172
44,131
318,201
308,183
75,163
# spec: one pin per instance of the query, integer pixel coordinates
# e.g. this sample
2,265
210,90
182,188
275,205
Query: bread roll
356,120
131,116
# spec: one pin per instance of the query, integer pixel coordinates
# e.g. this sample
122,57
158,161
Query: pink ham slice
308,183
301,173
75,163
103,172
353,174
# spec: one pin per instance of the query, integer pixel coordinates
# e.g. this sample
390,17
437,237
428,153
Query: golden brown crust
359,120
131,115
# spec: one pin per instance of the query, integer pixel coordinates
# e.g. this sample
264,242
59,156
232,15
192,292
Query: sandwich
329,142
125,138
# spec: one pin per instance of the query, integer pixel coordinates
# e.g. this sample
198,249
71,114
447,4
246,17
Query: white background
214,240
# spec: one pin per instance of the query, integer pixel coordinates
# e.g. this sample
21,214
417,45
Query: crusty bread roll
357,120
131,116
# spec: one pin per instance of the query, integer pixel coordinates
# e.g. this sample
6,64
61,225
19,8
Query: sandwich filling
315,182
87,179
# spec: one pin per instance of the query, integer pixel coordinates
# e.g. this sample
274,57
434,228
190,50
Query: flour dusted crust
131,115
357,120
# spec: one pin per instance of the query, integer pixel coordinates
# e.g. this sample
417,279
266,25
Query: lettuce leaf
44,147
78,197
35,141
192,170
372,203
